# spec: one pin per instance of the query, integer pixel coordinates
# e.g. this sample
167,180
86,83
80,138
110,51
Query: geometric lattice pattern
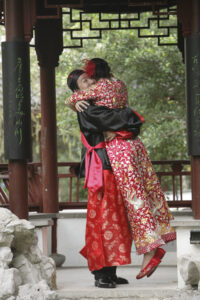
79,25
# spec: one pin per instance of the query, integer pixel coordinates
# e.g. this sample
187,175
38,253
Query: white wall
71,239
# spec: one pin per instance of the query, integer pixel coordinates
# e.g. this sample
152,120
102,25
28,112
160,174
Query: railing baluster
181,188
173,187
3,196
77,189
70,190
74,201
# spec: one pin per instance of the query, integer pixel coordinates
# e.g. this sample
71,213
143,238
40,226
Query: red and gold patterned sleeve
91,93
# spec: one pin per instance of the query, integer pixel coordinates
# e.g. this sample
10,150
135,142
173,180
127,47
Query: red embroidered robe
146,206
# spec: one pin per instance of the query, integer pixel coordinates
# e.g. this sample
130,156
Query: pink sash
93,168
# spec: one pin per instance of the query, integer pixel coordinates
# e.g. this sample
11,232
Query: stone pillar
48,34
17,120
189,16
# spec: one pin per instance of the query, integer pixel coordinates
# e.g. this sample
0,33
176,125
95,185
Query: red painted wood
35,184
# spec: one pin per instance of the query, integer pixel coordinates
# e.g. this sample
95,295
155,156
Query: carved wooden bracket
189,16
29,18
48,41
184,16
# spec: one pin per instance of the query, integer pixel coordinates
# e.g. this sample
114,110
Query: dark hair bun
102,69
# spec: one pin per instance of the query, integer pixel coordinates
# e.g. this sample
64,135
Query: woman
144,200
108,239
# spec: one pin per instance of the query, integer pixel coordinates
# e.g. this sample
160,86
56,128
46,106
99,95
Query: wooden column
189,16
49,47
18,182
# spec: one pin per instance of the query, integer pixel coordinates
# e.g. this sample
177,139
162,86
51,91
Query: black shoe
119,280
105,282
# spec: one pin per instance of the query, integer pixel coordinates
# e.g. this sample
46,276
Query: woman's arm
85,95
81,105
70,105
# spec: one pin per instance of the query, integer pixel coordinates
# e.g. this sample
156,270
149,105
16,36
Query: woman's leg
146,207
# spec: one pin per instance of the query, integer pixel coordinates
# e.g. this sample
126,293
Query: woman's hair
101,70
72,79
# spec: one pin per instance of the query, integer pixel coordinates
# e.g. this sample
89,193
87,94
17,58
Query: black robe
94,120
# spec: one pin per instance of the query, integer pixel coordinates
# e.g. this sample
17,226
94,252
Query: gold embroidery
92,213
130,168
143,221
108,235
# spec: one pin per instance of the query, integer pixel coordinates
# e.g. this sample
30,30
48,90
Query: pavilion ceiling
49,8
126,11
111,6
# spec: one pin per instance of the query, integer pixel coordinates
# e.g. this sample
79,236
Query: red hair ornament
89,68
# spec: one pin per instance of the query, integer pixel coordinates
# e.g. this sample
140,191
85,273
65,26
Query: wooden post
18,182
48,48
189,16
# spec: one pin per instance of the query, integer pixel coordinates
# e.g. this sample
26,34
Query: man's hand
109,136
81,105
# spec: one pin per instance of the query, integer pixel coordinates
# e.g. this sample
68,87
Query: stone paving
77,283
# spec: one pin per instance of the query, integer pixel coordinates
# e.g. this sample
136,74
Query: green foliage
155,79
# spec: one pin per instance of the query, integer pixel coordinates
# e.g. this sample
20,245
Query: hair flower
89,68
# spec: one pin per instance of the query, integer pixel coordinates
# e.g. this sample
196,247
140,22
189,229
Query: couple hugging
125,200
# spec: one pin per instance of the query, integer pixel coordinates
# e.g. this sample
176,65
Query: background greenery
155,79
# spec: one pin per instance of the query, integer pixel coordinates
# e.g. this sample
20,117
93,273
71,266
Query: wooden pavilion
20,18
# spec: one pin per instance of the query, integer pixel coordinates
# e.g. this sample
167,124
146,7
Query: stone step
115,294
78,283
130,295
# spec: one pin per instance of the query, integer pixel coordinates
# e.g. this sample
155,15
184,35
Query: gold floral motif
163,210
105,214
116,226
136,202
99,196
143,220
108,235
94,245
92,213
104,204
165,229
122,248
105,224
114,216
130,168
117,165
125,179
149,185
111,257
151,237
91,193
